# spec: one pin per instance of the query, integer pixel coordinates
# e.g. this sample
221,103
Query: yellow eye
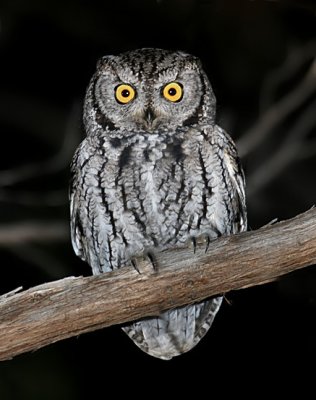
173,91
124,93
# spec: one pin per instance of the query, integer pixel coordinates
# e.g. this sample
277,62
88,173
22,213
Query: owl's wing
76,230
90,220
234,171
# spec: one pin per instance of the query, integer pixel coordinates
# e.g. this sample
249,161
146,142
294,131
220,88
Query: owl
154,172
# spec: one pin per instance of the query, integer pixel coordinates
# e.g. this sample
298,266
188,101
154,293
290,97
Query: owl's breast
166,192
163,194
150,182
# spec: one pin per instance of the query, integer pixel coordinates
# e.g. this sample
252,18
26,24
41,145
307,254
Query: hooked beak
149,116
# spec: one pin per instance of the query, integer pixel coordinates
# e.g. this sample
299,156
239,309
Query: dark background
257,55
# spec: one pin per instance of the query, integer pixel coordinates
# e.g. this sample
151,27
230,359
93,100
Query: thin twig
55,163
296,58
33,231
288,152
277,113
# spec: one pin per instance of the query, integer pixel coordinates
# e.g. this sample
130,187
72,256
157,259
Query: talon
144,264
197,242
153,261
194,244
208,241
134,264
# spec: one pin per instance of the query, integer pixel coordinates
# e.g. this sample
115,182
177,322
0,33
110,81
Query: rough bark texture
74,305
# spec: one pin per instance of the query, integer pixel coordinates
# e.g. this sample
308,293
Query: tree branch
71,306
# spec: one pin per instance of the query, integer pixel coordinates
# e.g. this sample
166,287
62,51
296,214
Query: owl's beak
149,115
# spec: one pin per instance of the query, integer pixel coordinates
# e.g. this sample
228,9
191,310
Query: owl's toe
145,264
196,243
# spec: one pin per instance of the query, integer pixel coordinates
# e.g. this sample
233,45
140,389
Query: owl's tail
175,331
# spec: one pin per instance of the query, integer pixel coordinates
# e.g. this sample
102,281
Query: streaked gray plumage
153,172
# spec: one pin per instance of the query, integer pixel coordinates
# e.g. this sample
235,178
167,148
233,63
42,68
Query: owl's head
150,90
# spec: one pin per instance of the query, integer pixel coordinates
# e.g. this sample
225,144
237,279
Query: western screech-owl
154,172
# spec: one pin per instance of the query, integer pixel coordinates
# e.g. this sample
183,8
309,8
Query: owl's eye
173,91
124,93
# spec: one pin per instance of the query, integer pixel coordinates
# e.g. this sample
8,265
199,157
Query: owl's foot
196,242
146,263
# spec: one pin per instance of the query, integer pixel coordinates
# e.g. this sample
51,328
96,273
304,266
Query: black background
263,337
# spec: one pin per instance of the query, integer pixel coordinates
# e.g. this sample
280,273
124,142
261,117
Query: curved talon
153,261
143,268
200,240
208,241
193,240
134,264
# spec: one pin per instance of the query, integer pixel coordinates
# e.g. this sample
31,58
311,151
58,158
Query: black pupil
125,93
172,91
